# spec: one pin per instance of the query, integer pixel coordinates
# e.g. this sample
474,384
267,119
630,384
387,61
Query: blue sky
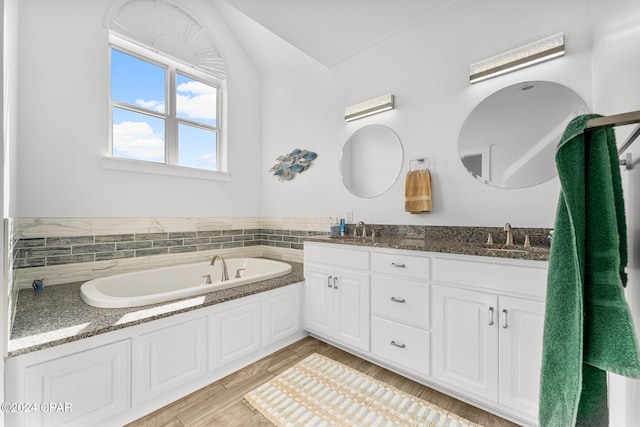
141,136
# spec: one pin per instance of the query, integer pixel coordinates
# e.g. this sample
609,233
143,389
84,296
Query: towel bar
419,161
619,120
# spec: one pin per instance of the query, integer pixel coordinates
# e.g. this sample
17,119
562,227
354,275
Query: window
162,113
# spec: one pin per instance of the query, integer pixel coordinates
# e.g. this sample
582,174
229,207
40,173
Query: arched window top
167,27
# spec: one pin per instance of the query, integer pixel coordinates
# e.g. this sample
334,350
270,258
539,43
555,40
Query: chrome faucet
225,274
364,229
509,230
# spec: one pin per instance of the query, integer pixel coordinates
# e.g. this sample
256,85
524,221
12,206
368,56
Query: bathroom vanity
467,325
470,326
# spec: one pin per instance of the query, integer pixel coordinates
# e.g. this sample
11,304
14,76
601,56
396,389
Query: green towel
588,327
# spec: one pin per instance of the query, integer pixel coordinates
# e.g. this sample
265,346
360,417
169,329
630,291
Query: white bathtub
170,283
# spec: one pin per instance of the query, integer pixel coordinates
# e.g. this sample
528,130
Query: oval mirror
509,140
371,160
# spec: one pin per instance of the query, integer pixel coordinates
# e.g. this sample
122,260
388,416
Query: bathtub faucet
225,274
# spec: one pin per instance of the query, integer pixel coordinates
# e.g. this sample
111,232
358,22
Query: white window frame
172,121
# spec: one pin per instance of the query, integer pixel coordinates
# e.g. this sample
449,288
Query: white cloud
196,101
136,140
208,159
151,105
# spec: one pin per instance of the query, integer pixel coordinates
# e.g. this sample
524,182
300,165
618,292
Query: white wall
615,90
63,60
10,113
4,299
426,68
9,43
63,124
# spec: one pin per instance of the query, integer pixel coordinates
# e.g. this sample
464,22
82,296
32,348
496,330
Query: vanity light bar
368,108
515,59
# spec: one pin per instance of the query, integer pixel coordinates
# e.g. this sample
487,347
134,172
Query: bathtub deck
57,315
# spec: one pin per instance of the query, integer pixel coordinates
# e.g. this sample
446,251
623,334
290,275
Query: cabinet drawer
401,300
524,277
335,255
400,265
405,346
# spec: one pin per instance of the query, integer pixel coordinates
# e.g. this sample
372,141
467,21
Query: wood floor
222,404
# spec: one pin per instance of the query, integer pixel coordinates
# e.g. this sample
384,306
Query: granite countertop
534,253
57,314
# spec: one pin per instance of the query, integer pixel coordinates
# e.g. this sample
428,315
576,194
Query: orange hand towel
417,191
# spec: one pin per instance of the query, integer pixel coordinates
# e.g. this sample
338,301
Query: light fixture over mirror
515,59
509,139
368,108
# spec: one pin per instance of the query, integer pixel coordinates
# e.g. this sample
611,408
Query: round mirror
509,140
371,160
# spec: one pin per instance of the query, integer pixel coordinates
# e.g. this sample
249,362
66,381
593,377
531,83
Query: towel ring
421,162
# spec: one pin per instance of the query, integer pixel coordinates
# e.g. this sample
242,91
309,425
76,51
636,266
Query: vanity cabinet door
236,334
170,357
465,339
280,317
85,388
351,308
521,330
318,299
337,304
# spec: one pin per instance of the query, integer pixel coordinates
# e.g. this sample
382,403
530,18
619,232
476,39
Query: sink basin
448,246
523,250
513,249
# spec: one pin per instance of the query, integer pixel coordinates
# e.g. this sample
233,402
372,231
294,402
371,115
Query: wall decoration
290,164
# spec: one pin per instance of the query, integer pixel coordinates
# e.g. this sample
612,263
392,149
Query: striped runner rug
319,391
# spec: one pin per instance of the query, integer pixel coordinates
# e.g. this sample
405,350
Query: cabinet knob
490,316
401,301
329,282
399,345
505,325
398,265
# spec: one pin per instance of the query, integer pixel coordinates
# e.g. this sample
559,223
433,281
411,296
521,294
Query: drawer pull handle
335,283
490,316
329,282
398,264
505,325
401,301
395,344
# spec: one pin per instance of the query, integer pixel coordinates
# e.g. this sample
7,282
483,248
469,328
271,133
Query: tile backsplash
49,251
63,250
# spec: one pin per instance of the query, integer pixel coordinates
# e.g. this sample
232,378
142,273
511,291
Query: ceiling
330,31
